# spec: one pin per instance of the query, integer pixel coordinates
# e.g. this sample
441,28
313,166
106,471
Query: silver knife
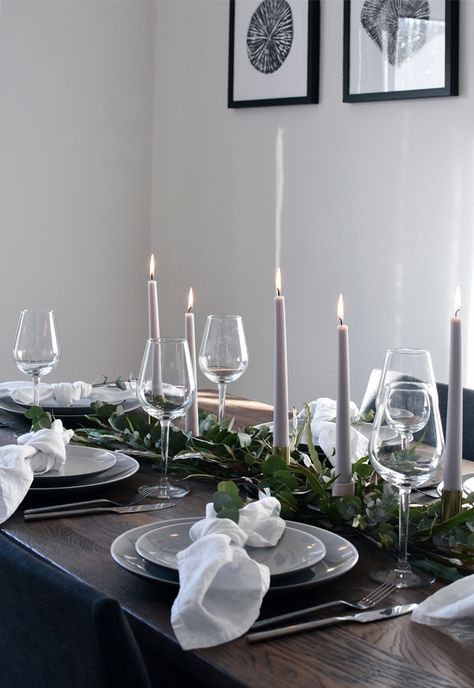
362,617
98,510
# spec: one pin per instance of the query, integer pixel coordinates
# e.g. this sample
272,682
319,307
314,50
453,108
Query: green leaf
274,463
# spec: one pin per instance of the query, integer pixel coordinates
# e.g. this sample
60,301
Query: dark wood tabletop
386,654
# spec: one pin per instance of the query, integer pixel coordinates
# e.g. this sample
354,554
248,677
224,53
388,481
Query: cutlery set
42,515
366,602
361,617
95,506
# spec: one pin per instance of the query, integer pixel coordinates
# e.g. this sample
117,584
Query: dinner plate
467,484
81,462
125,467
341,556
7,404
295,551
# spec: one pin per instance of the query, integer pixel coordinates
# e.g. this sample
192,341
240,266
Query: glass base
402,578
165,491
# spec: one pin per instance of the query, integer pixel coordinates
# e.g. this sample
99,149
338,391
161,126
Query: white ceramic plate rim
91,461
125,467
124,554
142,547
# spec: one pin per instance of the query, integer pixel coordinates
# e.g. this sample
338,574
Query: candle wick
190,309
278,292
341,323
456,313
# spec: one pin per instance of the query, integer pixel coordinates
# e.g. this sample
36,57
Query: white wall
76,80
378,205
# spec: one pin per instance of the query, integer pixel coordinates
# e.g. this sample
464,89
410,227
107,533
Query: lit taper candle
153,317
191,421
343,485
452,490
154,325
281,441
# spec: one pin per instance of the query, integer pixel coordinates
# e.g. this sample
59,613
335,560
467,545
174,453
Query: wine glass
406,445
165,390
223,356
36,347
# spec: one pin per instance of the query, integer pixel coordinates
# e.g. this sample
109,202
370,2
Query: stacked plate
305,555
77,409
86,469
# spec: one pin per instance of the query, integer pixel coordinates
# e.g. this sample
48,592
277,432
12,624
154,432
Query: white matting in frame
400,48
282,73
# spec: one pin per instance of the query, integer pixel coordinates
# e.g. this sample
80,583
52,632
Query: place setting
37,351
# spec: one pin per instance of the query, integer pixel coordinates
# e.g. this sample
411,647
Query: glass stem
165,435
36,384
221,386
402,564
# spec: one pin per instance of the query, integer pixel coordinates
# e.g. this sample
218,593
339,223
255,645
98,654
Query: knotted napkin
66,393
35,453
450,610
221,587
323,429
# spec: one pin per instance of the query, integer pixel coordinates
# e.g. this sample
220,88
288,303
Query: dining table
386,654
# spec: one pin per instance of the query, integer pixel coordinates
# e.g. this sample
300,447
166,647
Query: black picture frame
285,75
440,80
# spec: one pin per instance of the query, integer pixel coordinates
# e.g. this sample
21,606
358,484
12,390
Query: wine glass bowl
406,445
165,390
223,356
36,347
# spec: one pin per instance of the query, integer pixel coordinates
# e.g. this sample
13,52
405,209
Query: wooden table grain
387,654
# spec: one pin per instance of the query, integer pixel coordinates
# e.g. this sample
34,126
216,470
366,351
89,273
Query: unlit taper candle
343,484
454,424
280,412
191,421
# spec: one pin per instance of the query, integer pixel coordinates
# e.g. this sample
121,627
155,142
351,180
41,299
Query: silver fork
144,492
368,601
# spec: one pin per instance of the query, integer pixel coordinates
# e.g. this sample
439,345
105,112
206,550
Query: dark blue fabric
57,632
467,414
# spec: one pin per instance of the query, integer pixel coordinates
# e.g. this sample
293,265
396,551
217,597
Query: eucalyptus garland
243,458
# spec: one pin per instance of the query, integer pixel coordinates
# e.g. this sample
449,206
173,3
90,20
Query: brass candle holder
451,503
283,452
343,489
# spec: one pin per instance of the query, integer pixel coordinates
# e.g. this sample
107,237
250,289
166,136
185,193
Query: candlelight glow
152,267
278,281
340,309
190,300
457,300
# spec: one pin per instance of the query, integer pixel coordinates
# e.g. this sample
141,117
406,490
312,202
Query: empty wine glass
223,356
36,348
165,390
406,446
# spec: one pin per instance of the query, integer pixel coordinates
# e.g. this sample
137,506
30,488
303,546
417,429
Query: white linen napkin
66,393
450,610
35,453
323,429
221,587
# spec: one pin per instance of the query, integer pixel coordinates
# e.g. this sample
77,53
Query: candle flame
152,267
190,300
340,309
457,301
278,281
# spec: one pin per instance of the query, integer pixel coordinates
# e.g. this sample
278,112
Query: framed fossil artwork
273,52
400,49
